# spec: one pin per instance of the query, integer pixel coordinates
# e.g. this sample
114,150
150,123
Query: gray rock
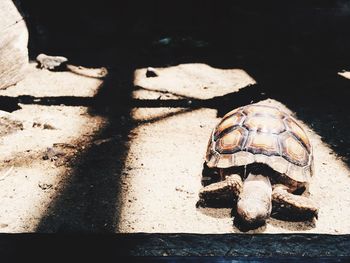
151,72
13,45
51,62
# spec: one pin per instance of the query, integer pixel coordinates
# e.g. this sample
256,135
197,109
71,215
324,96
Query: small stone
52,154
45,186
47,126
151,72
165,41
51,62
102,141
36,124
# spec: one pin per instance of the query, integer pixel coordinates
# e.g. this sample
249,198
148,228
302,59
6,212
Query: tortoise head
254,203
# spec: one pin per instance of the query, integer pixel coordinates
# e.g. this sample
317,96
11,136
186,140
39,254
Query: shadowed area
180,247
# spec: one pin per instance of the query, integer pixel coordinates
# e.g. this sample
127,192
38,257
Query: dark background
316,31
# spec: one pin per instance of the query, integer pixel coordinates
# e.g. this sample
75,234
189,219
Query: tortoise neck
261,178
254,204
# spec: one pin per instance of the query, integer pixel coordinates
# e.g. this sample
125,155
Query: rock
102,141
151,72
52,154
88,72
3,225
51,62
44,186
14,59
164,41
45,126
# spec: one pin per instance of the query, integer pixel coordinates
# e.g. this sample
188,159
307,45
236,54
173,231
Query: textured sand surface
166,159
80,172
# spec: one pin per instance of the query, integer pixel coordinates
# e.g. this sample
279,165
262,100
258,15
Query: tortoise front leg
221,192
293,206
209,175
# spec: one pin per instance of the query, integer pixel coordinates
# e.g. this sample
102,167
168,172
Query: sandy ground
65,168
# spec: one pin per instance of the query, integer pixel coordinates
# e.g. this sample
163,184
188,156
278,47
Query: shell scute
231,142
256,109
228,123
298,132
230,113
262,143
264,123
293,150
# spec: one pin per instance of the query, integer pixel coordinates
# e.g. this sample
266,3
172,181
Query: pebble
45,186
50,62
151,72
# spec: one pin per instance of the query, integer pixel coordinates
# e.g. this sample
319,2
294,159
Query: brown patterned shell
261,134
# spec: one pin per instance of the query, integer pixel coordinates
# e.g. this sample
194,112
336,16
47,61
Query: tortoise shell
261,134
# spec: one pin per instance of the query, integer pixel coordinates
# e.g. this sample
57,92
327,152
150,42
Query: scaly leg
294,206
226,190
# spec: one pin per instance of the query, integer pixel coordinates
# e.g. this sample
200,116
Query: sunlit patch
46,83
345,74
149,115
197,80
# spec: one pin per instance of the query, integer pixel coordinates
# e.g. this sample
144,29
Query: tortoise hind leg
291,206
222,193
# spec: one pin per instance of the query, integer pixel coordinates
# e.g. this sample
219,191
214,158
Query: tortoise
264,159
